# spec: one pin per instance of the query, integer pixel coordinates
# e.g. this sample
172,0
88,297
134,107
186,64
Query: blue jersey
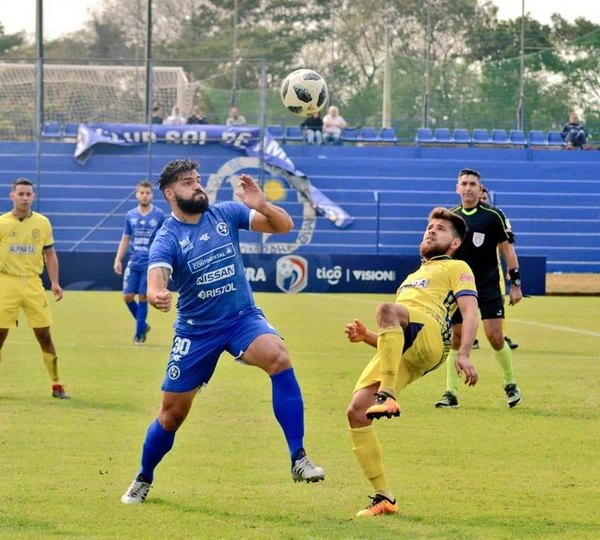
207,266
142,230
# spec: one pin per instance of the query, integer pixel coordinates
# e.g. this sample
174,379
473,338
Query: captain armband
511,237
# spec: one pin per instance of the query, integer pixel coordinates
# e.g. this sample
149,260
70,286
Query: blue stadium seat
461,136
554,138
293,133
350,134
70,130
481,136
368,134
51,129
443,135
424,135
536,138
517,137
499,136
276,131
387,135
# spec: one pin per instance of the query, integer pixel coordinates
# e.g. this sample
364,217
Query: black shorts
491,304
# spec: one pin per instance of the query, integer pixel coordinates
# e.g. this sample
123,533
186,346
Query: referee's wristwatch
515,276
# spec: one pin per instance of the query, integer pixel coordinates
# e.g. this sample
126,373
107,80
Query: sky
66,16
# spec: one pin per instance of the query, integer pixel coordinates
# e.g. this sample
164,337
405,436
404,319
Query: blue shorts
194,357
134,281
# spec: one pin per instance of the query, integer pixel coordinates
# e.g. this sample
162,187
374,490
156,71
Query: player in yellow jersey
26,245
413,338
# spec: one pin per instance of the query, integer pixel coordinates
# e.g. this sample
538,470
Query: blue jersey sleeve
161,250
237,213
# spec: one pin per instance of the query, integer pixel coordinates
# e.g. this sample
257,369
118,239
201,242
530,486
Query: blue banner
243,139
292,274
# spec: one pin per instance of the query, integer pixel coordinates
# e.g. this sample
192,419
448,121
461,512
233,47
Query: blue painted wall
552,197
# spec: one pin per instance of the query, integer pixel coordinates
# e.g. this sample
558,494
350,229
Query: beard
434,250
193,205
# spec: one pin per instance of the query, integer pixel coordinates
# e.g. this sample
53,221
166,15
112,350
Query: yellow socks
452,378
51,362
367,450
504,358
390,343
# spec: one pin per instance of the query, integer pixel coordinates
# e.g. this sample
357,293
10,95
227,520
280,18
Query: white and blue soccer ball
304,92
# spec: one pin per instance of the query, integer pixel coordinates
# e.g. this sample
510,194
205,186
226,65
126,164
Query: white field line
512,319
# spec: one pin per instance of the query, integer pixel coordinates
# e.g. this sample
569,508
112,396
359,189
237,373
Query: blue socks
157,443
289,409
142,313
132,307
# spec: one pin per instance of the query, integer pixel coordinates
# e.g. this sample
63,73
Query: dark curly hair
173,169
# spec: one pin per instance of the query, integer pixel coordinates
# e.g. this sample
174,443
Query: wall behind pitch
291,273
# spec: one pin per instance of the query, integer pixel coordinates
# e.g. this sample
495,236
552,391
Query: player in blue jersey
198,249
141,226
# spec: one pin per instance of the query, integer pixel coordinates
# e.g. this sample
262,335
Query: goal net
87,93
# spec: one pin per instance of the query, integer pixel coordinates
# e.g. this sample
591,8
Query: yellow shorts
424,351
27,293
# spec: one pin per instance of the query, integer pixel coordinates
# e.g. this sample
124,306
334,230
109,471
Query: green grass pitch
479,472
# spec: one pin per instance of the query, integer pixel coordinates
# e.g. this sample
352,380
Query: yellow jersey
434,288
22,242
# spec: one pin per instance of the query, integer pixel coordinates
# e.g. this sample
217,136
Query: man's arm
470,315
269,218
512,264
158,293
122,249
51,261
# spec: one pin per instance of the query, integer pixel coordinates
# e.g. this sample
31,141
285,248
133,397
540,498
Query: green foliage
481,471
472,58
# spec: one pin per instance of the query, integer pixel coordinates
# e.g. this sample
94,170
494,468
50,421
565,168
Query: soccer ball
304,92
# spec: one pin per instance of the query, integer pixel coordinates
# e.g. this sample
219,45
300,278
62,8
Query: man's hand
249,193
162,300
57,291
356,331
464,367
118,267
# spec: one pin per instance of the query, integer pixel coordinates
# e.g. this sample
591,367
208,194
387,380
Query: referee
488,232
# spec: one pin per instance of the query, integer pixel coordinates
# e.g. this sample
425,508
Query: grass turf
479,472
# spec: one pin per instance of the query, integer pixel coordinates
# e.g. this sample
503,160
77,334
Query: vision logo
292,273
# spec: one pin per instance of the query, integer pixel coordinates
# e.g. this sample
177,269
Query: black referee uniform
487,227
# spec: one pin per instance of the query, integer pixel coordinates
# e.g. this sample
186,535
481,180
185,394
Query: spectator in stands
156,115
196,117
175,118
574,134
312,128
235,118
333,124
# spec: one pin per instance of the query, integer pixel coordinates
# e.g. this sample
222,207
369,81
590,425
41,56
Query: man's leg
159,440
141,327
268,352
368,452
3,334
50,359
503,355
